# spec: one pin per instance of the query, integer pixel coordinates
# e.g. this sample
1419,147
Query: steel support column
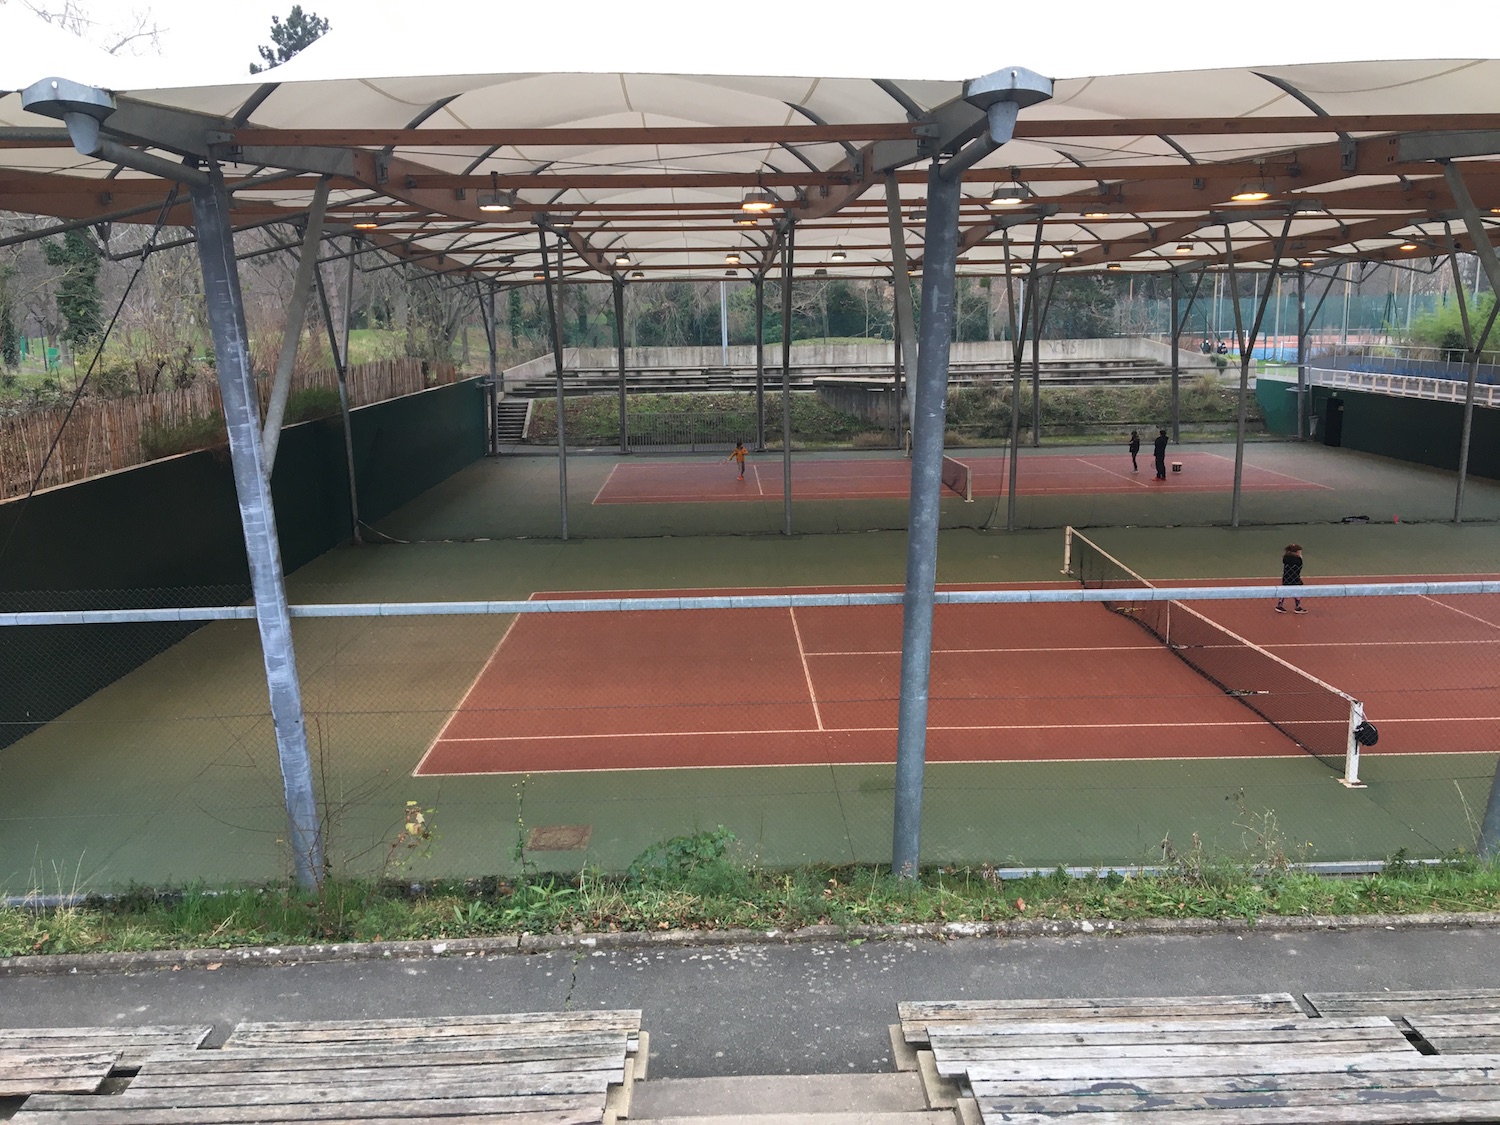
617,283
905,330
788,255
296,313
226,317
1302,327
340,350
493,398
929,412
760,363
554,329
1176,360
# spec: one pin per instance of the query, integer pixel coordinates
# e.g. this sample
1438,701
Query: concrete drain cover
559,838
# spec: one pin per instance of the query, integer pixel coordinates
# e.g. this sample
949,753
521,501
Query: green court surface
169,774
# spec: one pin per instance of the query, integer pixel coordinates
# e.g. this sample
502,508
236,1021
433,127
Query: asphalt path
816,1008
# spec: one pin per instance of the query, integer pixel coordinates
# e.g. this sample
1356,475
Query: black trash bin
1333,422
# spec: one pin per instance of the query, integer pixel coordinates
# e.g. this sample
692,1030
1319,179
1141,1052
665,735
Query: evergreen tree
10,346
301,30
78,291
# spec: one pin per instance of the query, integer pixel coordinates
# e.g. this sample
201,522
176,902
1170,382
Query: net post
1351,780
1068,549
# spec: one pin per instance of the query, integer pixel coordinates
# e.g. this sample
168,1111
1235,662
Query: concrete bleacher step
802,1099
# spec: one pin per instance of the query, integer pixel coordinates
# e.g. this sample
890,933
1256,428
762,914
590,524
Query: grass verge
702,882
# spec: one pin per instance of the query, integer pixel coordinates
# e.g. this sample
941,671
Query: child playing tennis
738,454
1291,575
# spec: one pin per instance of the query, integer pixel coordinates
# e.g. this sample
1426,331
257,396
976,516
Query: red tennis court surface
686,482
1009,683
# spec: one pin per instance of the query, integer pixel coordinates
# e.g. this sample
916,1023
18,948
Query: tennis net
1315,715
959,477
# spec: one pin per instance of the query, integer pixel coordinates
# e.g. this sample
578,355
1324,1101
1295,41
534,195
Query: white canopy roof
412,121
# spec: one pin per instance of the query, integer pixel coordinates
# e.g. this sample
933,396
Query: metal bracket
382,167
1348,153
459,194
1199,184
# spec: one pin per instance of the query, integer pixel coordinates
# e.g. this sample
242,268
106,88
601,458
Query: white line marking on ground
605,485
1460,612
448,722
1263,469
1130,477
806,671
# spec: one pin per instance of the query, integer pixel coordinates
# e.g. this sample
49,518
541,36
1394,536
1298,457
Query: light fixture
1096,214
1408,246
560,222
538,275
1307,263
820,272
918,214
495,199
638,273
757,200
1069,251
1114,266
1495,210
1017,268
912,271
732,259
1008,194
622,259
1184,248
365,224
1253,192
730,273
837,256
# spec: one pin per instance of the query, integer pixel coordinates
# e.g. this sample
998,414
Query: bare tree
131,31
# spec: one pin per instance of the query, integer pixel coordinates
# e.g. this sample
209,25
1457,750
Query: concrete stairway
510,420
818,1099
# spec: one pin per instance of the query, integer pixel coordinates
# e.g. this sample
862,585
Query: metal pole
1015,389
1176,362
906,331
724,324
929,410
1344,339
1301,354
896,372
760,363
788,252
555,329
618,284
296,313
341,368
226,316
1036,357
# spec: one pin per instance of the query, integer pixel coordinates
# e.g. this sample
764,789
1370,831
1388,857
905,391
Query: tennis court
1010,683
889,478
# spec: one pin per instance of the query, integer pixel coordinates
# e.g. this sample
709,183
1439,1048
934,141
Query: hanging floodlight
1307,263
622,259
837,256
820,272
538,275
638,273
1407,246
918,214
1069,251
1114,266
1009,194
1184,248
731,259
1096,214
365,224
495,199
757,200
1018,268
745,220
1254,191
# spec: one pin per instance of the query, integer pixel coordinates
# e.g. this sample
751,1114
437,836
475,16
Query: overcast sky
933,38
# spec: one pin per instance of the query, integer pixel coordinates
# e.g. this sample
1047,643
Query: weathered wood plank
244,1064
1249,1031
1428,1002
1415,1113
95,1110
1246,1065
53,1072
1454,1072
915,1015
530,1023
134,1044
1227,1100
499,1078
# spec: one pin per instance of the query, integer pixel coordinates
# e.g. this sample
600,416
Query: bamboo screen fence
105,434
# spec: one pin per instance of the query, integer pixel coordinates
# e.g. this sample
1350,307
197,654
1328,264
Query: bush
311,402
165,440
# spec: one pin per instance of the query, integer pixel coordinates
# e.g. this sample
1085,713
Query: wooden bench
23,1073
523,1069
130,1045
1385,1089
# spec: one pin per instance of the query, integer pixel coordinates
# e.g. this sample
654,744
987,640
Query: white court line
1263,469
1174,724
1143,646
615,469
1460,612
1133,478
448,722
760,487
806,671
